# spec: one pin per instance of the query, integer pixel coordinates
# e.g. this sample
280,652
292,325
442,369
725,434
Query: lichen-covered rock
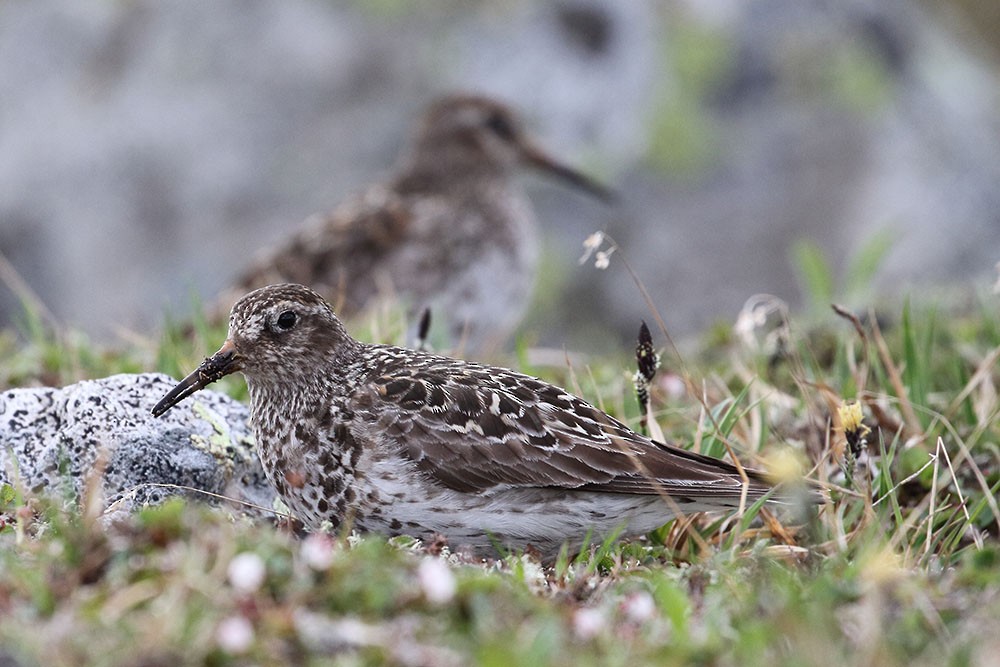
54,440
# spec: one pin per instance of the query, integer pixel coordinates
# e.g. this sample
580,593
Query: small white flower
436,580
590,244
587,622
534,574
603,258
639,607
673,385
593,241
755,315
234,634
246,572
317,551
354,539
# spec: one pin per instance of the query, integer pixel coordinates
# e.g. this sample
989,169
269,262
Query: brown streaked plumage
405,442
450,230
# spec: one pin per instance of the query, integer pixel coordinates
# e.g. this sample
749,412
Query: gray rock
53,440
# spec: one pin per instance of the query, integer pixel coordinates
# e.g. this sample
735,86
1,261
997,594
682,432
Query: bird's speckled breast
307,452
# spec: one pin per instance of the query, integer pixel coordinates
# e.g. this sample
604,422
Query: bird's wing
333,252
482,427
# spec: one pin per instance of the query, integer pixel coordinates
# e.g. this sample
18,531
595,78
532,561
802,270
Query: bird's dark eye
286,320
501,126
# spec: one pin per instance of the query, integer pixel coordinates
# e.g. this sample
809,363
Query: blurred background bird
450,230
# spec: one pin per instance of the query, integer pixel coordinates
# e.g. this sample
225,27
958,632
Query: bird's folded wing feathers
481,430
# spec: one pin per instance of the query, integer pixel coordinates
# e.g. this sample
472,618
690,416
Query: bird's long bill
540,160
220,364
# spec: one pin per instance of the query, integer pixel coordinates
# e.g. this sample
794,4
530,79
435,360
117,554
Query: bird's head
473,131
276,333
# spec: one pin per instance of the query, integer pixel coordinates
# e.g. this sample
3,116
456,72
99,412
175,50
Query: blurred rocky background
148,147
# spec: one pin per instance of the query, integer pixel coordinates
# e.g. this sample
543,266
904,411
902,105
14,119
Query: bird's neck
276,409
447,170
280,405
